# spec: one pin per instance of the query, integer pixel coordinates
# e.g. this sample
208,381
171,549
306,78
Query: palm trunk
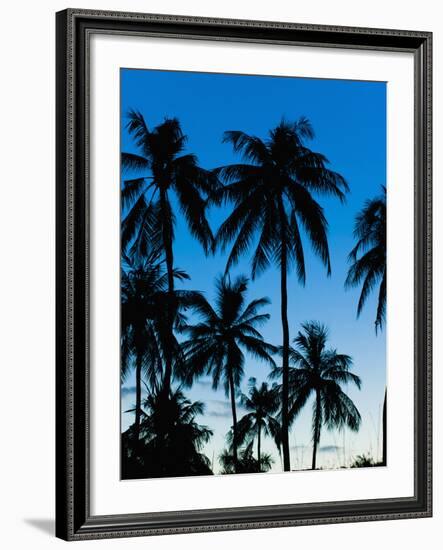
169,256
234,421
316,429
285,349
384,428
138,396
259,446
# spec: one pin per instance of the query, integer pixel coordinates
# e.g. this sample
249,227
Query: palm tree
363,461
370,268
272,197
368,257
246,463
262,403
217,343
320,372
146,199
144,333
172,439
141,283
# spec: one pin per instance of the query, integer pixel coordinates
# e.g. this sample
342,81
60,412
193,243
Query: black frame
73,518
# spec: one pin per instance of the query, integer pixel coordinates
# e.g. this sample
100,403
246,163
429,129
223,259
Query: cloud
324,449
220,403
204,383
221,409
127,390
218,408
218,414
330,448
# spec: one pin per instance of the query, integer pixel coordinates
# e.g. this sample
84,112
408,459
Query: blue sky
349,120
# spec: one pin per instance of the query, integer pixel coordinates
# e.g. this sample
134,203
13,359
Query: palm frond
265,252
370,267
314,221
381,307
131,161
138,128
131,223
193,207
131,191
252,148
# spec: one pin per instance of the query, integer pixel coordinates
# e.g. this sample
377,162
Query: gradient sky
349,120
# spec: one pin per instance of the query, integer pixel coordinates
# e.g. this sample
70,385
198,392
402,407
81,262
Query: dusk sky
349,120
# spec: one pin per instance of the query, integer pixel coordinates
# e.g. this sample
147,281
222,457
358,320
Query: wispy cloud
221,409
218,414
220,403
330,448
127,390
204,383
324,449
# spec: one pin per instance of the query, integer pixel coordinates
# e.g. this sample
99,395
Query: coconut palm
165,170
171,439
369,269
363,461
319,372
262,404
144,332
273,200
216,345
368,257
142,283
246,463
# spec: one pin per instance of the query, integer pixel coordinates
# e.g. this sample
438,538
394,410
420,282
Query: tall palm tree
262,403
320,372
272,196
146,200
217,343
144,333
370,268
368,257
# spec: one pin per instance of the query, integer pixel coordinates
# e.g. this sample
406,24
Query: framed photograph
243,274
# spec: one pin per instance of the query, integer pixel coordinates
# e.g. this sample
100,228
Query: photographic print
253,274
233,306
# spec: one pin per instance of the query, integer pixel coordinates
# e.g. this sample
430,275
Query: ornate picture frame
74,520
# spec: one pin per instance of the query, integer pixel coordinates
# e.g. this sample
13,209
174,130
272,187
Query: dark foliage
245,463
262,404
368,257
145,334
171,440
364,461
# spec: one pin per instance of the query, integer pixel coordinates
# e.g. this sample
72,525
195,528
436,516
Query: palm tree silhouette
368,257
142,284
262,403
370,267
320,372
172,439
144,332
246,463
272,199
217,343
147,199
